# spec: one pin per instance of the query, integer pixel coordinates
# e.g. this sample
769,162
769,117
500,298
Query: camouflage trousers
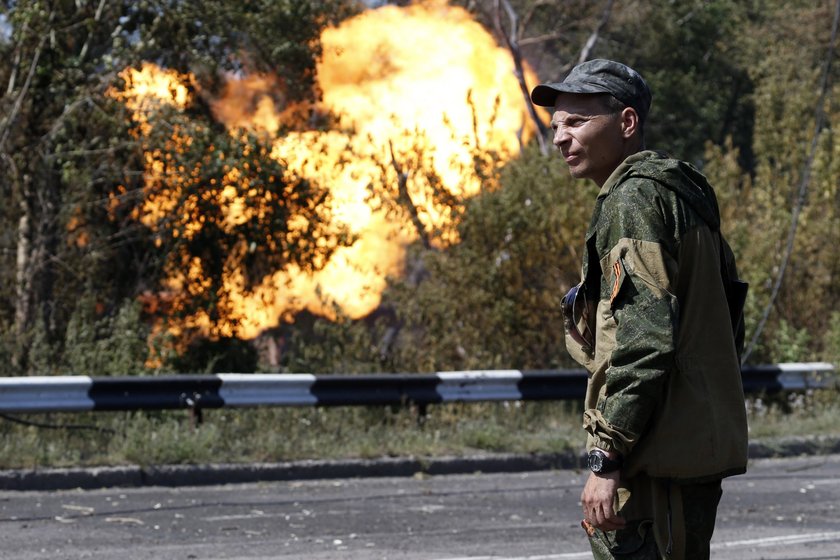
665,521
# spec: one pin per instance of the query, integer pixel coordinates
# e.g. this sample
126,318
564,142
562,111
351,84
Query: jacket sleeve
732,273
637,263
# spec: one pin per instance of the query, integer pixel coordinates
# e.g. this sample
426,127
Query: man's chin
578,172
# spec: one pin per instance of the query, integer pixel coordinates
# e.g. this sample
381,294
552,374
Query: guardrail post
422,414
193,402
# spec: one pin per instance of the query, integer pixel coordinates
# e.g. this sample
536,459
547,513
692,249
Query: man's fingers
597,501
607,526
605,519
613,522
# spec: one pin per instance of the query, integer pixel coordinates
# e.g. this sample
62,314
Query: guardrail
191,391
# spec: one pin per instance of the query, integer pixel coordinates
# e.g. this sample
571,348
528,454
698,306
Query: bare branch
10,119
10,88
97,16
6,125
541,39
513,45
532,9
405,196
13,173
92,152
71,108
586,51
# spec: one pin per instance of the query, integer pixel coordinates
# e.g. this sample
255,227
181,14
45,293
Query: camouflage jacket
665,388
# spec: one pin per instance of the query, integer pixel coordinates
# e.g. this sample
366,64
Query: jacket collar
617,175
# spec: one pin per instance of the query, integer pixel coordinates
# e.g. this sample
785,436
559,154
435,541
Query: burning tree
73,175
210,184
407,145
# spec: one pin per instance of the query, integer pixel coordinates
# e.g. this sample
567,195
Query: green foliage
317,345
72,174
44,352
228,216
794,414
759,206
550,34
691,54
95,343
208,38
112,344
492,300
831,340
220,355
160,439
790,344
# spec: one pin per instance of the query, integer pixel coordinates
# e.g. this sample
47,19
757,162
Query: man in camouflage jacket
664,411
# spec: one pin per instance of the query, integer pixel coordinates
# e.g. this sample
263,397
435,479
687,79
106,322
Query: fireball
423,85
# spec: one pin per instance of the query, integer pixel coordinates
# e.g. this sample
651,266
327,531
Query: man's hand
598,500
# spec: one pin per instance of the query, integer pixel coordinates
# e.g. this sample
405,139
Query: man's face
589,137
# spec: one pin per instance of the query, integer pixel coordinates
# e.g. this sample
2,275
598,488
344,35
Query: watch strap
600,462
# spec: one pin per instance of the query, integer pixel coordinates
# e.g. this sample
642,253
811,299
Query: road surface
781,509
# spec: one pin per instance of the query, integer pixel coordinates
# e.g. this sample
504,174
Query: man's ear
630,123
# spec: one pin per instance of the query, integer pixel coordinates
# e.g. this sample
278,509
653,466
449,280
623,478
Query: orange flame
425,76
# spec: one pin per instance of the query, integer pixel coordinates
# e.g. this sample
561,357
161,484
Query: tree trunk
37,246
23,277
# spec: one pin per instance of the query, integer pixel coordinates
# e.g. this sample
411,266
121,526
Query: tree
689,52
693,57
72,174
793,196
493,299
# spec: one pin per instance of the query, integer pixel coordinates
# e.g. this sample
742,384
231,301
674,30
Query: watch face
596,462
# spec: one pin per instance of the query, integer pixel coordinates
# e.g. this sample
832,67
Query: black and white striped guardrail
83,393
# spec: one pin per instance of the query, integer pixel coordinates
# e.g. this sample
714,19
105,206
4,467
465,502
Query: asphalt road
782,509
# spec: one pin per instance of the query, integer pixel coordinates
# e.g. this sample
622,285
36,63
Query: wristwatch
600,463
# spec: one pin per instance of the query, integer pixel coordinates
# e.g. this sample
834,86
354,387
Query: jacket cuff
603,435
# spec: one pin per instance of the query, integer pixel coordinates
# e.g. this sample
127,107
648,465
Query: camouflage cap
599,76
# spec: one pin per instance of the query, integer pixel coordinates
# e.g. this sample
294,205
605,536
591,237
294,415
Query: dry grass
288,434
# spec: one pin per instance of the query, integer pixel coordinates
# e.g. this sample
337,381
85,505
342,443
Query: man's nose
560,136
